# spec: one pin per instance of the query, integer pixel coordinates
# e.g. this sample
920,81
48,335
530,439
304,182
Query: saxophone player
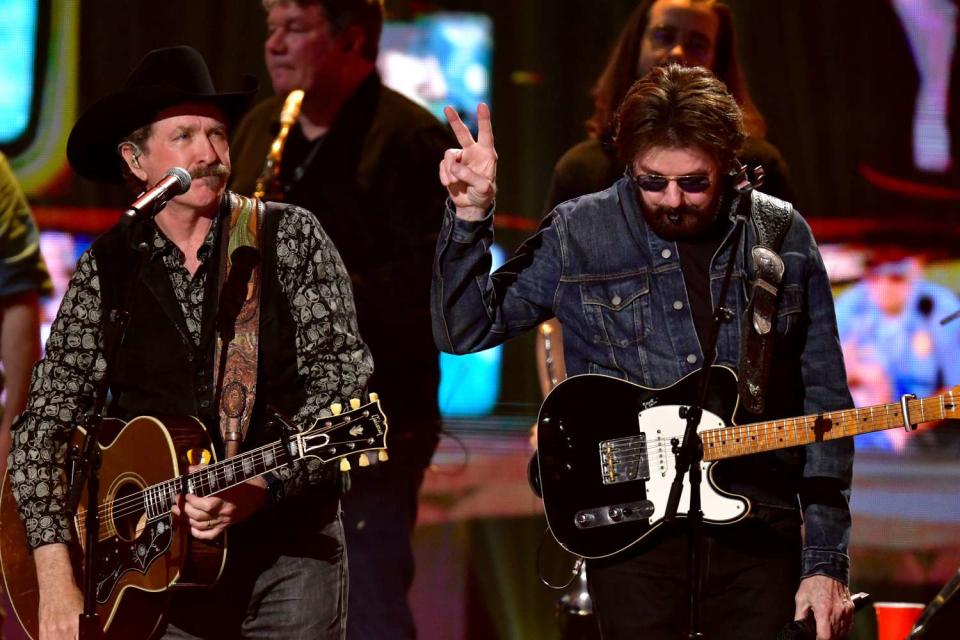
362,158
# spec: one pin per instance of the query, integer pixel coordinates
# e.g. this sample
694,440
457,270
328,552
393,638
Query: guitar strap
771,220
238,319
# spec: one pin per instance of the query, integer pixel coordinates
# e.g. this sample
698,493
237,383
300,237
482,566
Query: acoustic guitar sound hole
128,514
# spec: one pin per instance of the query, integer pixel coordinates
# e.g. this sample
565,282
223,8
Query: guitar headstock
352,433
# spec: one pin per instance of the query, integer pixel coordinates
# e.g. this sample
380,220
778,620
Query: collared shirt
188,289
330,355
618,289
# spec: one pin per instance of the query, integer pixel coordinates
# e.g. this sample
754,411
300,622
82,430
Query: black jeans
379,513
286,578
750,574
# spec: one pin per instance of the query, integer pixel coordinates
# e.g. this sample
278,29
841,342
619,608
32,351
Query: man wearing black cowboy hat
286,571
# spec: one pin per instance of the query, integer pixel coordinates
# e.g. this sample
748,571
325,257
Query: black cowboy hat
163,78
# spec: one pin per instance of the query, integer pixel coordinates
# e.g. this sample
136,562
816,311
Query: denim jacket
618,290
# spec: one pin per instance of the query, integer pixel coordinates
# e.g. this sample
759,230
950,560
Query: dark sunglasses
697,183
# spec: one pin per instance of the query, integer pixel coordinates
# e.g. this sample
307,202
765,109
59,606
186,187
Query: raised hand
470,173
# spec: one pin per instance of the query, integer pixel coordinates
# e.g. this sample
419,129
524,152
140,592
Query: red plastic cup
895,620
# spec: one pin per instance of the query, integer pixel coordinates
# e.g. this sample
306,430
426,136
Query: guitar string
162,491
137,499
729,437
139,502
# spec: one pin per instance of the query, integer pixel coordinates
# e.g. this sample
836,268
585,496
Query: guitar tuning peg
362,460
354,403
382,455
344,464
336,408
373,396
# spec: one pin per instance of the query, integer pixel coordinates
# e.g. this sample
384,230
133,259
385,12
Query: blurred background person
363,159
892,337
23,278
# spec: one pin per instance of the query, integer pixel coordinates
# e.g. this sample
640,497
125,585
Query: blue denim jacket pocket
789,310
617,311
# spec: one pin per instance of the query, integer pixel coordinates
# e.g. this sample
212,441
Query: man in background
363,158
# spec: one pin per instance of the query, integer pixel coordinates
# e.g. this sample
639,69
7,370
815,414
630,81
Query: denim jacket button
677,305
666,253
691,358
615,300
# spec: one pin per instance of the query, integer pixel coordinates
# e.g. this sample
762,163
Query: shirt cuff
826,562
468,231
59,531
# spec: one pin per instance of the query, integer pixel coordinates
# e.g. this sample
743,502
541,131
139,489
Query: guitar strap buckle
771,218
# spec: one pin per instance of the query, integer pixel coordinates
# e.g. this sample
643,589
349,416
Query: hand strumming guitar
470,173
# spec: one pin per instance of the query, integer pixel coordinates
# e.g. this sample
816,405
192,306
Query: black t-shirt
695,255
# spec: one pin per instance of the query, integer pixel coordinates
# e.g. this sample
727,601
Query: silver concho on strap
769,269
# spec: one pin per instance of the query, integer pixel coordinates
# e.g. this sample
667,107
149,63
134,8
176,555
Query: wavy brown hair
681,108
620,72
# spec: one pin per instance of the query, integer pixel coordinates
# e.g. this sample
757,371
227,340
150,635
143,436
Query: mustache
673,212
209,170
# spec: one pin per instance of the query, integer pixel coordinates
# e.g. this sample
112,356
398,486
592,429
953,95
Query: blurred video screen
898,316
440,59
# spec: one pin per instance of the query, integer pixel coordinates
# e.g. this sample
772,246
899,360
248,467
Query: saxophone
271,168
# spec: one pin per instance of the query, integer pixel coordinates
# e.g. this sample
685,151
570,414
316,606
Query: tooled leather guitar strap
771,219
238,320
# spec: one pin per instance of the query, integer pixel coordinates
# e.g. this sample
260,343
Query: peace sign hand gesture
470,173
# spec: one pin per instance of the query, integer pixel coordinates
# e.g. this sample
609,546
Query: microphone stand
85,462
946,592
690,452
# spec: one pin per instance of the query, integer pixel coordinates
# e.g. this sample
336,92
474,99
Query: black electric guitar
142,550
606,452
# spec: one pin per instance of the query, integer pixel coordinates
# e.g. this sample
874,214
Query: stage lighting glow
18,35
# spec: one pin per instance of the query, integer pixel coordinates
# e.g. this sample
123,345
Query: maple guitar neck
739,440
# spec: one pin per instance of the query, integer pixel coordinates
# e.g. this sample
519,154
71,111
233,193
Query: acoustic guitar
142,552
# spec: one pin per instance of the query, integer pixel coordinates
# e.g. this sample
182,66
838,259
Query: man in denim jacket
632,274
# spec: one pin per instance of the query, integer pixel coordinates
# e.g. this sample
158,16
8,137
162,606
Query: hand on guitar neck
210,516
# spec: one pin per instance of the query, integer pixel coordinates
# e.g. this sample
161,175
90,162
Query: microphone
151,201
806,629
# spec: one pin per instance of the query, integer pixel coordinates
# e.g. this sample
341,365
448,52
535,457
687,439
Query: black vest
159,370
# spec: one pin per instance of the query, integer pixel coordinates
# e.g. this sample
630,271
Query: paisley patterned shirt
330,355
